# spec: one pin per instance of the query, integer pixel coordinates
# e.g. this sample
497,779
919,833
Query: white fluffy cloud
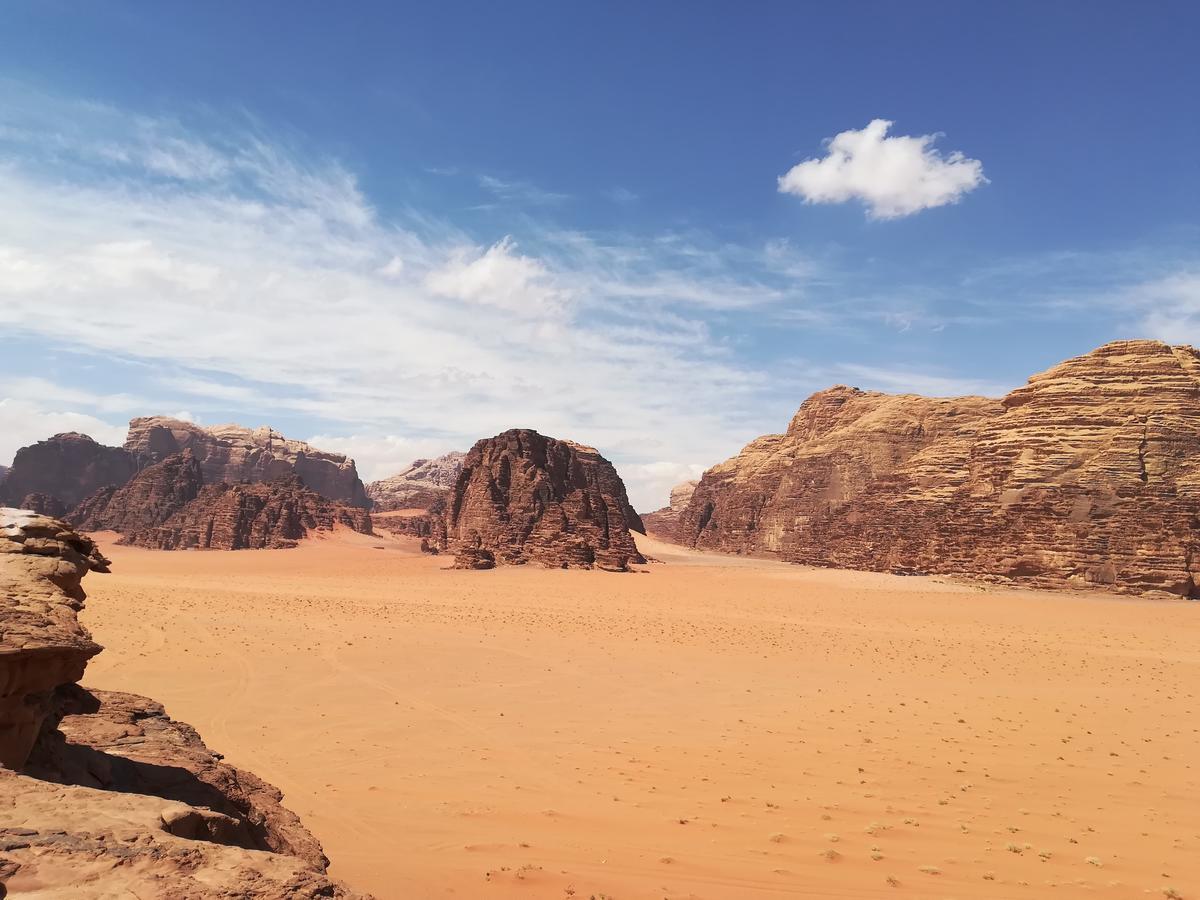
894,176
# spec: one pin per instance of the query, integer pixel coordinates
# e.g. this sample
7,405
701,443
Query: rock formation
662,522
231,454
418,486
42,644
522,497
67,467
44,504
1087,476
149,499
246,516
117,799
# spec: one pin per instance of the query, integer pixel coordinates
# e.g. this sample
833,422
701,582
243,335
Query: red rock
150,498
662,522
1086,477
232,454
258,515
43,505
67,467
522,497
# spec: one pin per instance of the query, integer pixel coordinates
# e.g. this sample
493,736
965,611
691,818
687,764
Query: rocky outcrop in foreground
1088,476
525,498
419,486
662,522
116,798
230,454
67,468
42,644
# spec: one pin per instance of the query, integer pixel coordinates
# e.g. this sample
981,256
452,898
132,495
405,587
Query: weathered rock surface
662,522
522,497
42,644
1087,476
44,504
149,499
231,454
67,467
122,742
248,516
418,486
172,820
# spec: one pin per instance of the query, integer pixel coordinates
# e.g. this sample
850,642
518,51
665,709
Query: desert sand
709,727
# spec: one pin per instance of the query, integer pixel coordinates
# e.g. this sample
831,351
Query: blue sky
395,230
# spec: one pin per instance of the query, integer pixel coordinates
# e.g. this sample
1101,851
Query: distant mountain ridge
418,486
176,484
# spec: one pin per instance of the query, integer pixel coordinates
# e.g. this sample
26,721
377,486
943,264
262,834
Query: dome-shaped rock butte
522,497
1088,476
105,795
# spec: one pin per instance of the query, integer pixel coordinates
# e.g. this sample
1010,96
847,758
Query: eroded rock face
231,454
67,467
71,841
417,487
42,644
1087,476
122,742
261,515
149,499
523,497
171,819
662,522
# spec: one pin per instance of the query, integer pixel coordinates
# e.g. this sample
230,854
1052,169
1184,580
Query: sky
392,229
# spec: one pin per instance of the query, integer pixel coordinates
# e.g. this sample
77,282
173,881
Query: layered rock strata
1088,476
522,497
263,515
118,799
150,498
419,486
42,644
231,453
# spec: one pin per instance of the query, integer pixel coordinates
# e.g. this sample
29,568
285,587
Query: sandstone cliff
118,799
522,497
1087,476
418,486
663,522
66,467
231,453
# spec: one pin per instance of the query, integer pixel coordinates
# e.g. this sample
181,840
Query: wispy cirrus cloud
243,275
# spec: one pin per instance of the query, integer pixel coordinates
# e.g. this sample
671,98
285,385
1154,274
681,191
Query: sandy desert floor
712,728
